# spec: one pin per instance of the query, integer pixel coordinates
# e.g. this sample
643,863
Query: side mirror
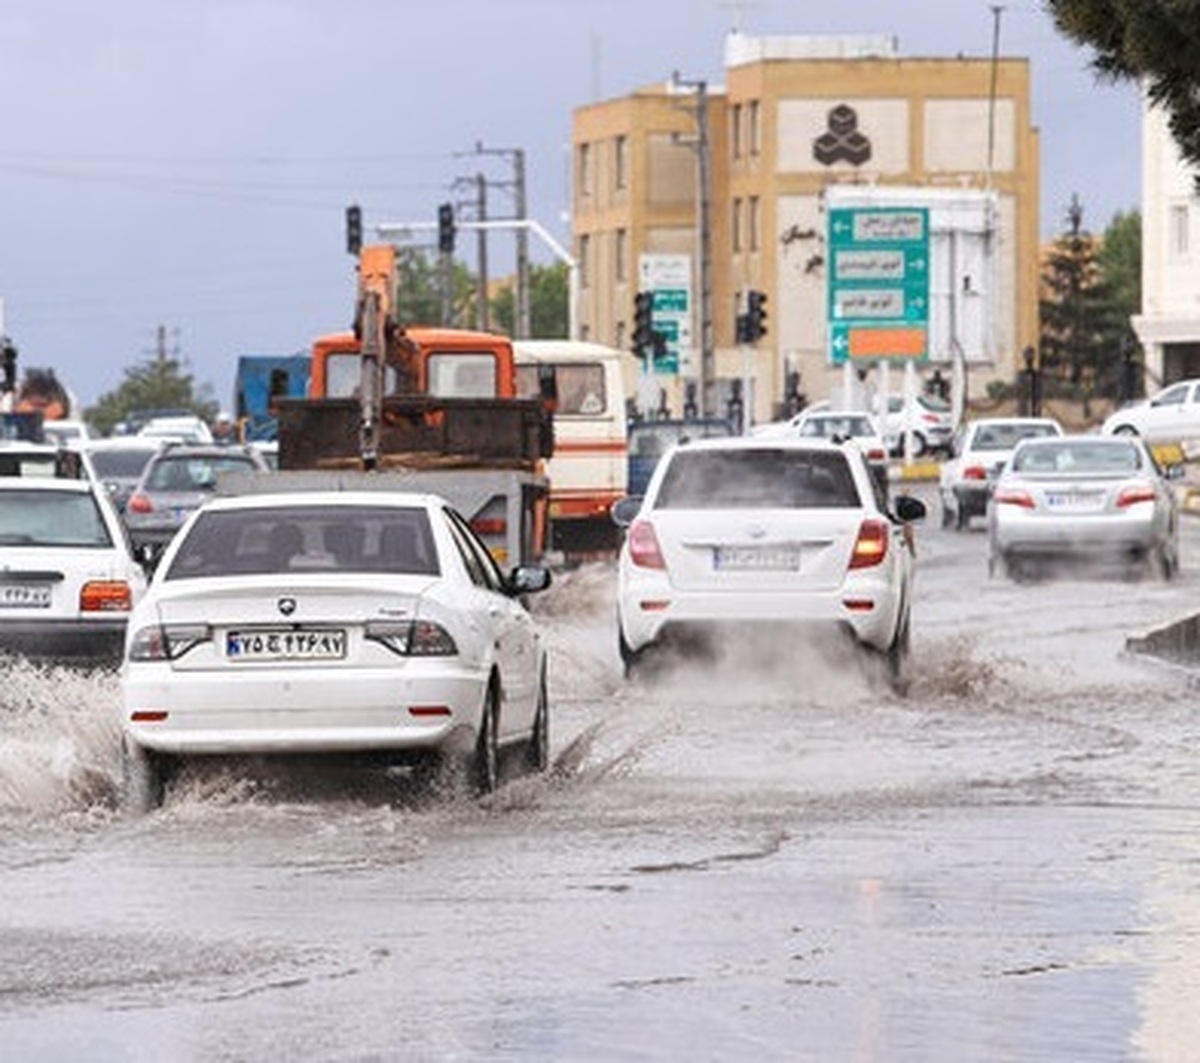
623,510
528,579
148,556
909,509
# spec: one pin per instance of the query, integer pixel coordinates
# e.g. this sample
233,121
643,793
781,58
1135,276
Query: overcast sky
187,164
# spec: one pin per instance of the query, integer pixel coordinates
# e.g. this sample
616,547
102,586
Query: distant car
1168,417
1082,500
929,420
367,623
64,432
977,455
119,462
188,429
860,427
46,460
178,480
760,536
650,440
68,580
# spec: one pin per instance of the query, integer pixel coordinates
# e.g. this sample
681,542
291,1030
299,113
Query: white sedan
977,455
760,536
1083,500
369,622
68,580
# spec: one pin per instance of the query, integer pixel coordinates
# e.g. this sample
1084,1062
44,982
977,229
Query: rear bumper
1111,535
321,710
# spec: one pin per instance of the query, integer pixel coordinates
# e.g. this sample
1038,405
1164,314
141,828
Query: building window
753,223
1180,224
621,161
620,341
735,130
585,170
620,250
735,225
755,128
585,250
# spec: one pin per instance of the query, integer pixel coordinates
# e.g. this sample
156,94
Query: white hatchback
68,580
372,623
764,534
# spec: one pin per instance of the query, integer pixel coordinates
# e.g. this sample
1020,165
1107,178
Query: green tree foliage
155,384
548,309
1156,42
419,290
1090,288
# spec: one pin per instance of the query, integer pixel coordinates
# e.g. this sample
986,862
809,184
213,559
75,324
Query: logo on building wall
842,142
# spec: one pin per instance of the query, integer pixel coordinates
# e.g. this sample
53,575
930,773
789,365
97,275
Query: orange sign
887,342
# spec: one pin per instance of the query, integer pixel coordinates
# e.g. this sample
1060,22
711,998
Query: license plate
25,595
1074,499
285,645
756,558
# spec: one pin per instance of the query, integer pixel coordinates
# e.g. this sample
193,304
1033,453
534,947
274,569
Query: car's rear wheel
896,658
537,752
144,778
631,659
1166,563
485,761
1124,430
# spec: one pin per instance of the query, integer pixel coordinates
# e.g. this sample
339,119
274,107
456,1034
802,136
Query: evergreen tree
1078,321
159,383
1154,42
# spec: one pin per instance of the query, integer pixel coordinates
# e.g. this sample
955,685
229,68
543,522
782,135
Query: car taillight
643,546
931,418
105,596
167,642
1014,497
974,472
1135,493
412,638
876,455
140,503
489,525
870,548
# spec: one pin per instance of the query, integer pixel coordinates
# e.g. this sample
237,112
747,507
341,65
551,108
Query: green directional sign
878,288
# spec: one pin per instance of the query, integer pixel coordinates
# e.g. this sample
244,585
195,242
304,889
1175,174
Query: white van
589,469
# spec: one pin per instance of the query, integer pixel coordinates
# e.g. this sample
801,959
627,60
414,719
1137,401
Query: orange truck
429,409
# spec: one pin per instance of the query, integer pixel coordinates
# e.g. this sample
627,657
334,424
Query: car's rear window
51,518
127,464
844,427
758,478
307,539
1007,436
194,473
1078,457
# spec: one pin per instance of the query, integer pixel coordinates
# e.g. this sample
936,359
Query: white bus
590,467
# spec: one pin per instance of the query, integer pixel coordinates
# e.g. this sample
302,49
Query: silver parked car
1084,500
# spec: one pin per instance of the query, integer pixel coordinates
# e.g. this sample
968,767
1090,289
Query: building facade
1169,324
796,116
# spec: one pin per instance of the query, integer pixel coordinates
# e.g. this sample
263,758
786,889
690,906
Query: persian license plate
285,645
25,595
756,558
1074,499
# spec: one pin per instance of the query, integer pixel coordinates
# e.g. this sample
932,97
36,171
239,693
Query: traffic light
756,315
9,354
643,321
354,228
446,228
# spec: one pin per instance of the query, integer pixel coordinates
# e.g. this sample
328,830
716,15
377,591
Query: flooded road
767,861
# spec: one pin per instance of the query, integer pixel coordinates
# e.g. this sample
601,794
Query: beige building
796,116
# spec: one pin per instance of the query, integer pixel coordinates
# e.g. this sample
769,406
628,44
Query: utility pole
997,10
483,311
521,324
702,146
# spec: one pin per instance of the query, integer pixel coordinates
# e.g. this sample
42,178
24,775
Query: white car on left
371,624
68,579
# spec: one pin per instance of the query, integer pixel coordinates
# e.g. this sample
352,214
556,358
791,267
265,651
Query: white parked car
1170,416
978,453
929,420
68,581
370,623
178,429
1083,500
763,535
